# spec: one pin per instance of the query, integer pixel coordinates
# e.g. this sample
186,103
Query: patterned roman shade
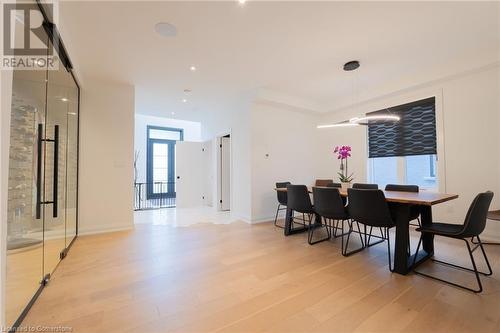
414,134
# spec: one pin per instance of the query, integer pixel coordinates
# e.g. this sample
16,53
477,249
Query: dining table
399,204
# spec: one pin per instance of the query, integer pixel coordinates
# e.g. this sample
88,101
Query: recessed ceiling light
184,100
192,68
166,29
64,99
242,2
172,113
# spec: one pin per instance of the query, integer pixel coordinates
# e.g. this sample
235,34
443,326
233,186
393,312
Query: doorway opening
159,190
224,172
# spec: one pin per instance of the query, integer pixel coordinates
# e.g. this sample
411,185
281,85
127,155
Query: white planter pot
345,186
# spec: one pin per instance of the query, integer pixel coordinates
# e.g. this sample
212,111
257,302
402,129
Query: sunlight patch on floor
183,217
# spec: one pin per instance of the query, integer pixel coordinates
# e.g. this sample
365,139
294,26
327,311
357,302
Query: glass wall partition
43,177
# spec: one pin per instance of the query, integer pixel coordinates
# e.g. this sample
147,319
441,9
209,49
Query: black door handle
39,173
178,177
56,171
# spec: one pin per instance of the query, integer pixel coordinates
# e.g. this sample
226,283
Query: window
416,170
384,170
161,160
405,152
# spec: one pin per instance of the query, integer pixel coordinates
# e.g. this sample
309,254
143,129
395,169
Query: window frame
150,142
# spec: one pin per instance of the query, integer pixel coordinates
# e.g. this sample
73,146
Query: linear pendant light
365,120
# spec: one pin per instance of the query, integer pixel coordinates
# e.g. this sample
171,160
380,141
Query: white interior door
190,166
225,173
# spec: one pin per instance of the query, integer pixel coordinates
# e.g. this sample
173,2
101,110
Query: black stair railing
154,195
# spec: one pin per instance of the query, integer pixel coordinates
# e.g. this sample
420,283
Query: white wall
471,140
192,132
106,157
233,118
284,148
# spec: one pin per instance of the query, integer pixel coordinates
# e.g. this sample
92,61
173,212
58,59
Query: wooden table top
494,215
426,198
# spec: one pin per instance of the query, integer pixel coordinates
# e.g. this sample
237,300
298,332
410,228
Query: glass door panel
71,162
56,134
25,222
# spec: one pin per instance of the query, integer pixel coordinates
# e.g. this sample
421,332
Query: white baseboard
264,219
104,230
245,219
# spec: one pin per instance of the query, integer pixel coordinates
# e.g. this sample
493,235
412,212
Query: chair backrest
298,199
282,195
322,182
369,207
402,188
475,220
328,203
336,185
365,186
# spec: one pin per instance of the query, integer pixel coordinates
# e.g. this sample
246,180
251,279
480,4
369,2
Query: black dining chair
337,185
473,226
365,186
414,210
369,235
370,208
329,205
300,201
323,182
282,201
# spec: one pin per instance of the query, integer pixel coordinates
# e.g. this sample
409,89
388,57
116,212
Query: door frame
218,171
171,162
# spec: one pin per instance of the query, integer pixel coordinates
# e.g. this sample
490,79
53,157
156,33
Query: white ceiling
291,50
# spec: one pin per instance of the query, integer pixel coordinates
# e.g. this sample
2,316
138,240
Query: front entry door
161,169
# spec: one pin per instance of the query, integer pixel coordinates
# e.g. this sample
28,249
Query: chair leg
490,271
310,232
276,218
474,270
341,222
336,228
370,236
484,243
344,249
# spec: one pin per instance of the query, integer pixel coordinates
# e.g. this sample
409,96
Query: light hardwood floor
250,278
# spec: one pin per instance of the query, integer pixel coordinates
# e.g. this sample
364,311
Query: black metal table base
291,230
402,261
